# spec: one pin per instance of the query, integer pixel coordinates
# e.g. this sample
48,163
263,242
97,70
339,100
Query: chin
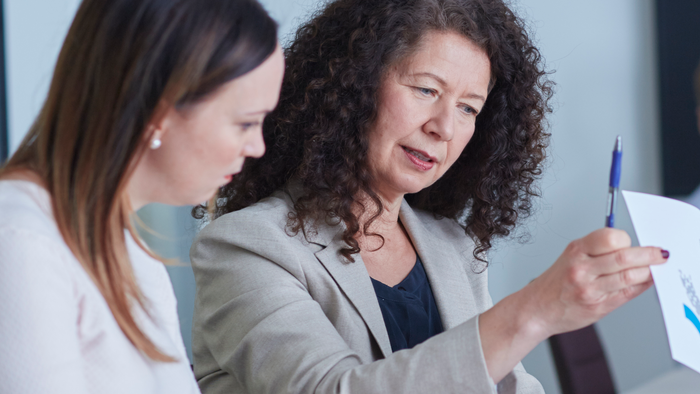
200,198
412,187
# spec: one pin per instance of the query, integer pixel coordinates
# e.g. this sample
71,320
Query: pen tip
618,143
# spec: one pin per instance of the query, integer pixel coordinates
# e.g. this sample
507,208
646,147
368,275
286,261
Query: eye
249,125
469,110
426,91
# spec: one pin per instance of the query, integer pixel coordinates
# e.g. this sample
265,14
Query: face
206,143
427,108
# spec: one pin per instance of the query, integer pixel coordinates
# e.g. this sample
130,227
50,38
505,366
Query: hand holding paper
592,277
595,275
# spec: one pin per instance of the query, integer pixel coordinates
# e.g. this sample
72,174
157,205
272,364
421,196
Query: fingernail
665,253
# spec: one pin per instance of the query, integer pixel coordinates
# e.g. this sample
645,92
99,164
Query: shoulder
26,207
443,227
35,264
265,219
30,238
259,231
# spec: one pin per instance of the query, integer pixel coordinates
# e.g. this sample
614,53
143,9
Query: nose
255,146
441,124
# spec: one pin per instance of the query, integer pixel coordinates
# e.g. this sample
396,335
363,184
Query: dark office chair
581,364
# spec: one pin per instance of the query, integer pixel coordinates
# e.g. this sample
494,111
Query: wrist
530,317
510,330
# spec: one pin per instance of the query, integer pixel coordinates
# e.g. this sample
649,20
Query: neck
141,187
387,220
134,190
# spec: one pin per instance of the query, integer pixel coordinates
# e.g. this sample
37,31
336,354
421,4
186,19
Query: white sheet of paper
674,226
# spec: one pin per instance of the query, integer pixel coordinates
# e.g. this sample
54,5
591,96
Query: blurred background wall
605,60
604,54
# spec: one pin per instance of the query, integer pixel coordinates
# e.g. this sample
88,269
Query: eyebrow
263,112
444,84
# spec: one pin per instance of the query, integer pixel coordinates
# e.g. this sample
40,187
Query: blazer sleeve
518,381
258,330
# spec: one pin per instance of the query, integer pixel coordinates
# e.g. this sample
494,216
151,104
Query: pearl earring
156,143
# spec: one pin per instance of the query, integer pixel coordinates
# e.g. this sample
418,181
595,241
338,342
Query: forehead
254,91
452,55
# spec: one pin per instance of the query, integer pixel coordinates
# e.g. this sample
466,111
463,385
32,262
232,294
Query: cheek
202,163
221,146
223,159
458,145
398,113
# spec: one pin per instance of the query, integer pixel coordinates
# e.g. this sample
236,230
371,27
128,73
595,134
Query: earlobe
158,126
155,142
154,136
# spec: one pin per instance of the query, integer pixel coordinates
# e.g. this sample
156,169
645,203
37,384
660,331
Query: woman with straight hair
409,137
150,101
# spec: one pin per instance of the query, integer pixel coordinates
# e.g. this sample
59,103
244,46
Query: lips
419,158
417,154
424,156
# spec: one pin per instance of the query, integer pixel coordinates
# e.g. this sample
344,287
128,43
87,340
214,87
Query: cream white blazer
285,313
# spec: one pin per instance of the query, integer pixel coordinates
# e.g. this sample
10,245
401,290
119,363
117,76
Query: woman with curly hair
352,257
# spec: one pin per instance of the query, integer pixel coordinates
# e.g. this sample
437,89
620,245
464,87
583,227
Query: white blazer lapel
354,281
352,278
445,268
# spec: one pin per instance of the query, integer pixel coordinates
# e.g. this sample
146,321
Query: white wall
603,53
34,32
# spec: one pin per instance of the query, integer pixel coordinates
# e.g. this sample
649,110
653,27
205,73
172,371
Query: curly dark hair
319,132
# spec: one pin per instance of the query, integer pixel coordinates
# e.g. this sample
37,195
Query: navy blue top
409,310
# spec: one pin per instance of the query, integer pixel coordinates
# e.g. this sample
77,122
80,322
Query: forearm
509,331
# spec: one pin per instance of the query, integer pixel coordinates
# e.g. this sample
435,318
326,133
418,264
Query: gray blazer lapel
354,280
445,269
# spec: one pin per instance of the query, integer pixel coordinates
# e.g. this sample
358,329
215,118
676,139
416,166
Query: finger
623,279
624,295
624,259
604,241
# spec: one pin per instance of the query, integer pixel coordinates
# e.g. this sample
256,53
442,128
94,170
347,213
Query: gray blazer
281,313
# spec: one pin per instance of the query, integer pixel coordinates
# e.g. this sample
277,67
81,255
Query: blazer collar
354,281
352,278
445,267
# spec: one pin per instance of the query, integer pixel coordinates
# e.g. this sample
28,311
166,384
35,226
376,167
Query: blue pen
614,190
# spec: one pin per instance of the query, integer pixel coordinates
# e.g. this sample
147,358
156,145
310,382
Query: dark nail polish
664,253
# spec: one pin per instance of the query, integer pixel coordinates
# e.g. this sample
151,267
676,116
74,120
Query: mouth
420,159
237,170
423,156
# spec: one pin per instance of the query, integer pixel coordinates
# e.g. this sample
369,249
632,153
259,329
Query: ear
158,126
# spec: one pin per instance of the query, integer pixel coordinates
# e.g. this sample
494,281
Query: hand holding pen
592,277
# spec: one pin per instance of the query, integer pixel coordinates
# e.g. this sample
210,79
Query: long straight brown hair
120,62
